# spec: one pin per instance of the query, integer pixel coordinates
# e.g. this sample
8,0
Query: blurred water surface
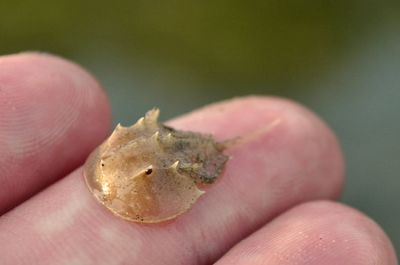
340,58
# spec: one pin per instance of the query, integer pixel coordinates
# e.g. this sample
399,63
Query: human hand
271,206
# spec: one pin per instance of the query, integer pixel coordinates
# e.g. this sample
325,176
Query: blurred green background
340,58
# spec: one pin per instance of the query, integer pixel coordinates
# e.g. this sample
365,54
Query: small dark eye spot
149,171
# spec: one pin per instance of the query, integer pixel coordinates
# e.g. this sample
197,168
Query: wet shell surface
151,173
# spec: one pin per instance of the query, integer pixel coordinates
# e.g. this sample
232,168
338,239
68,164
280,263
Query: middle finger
297,160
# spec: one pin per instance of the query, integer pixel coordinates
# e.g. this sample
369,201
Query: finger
296,160
315,233
52,113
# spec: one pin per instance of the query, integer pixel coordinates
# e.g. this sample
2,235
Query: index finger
295,161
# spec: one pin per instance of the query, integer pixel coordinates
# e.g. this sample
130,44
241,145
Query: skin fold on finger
315,233
52,114
296,160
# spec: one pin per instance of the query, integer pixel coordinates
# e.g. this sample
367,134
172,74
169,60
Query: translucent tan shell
149,172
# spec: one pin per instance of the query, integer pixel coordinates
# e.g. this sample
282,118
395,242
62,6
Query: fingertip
346,229
320,232
46,96
53,113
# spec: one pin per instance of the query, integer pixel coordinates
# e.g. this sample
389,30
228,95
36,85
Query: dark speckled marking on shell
150,172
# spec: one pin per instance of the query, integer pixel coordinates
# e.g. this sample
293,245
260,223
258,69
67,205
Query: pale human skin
274,203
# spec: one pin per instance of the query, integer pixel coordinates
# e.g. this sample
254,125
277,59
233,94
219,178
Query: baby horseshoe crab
151,173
